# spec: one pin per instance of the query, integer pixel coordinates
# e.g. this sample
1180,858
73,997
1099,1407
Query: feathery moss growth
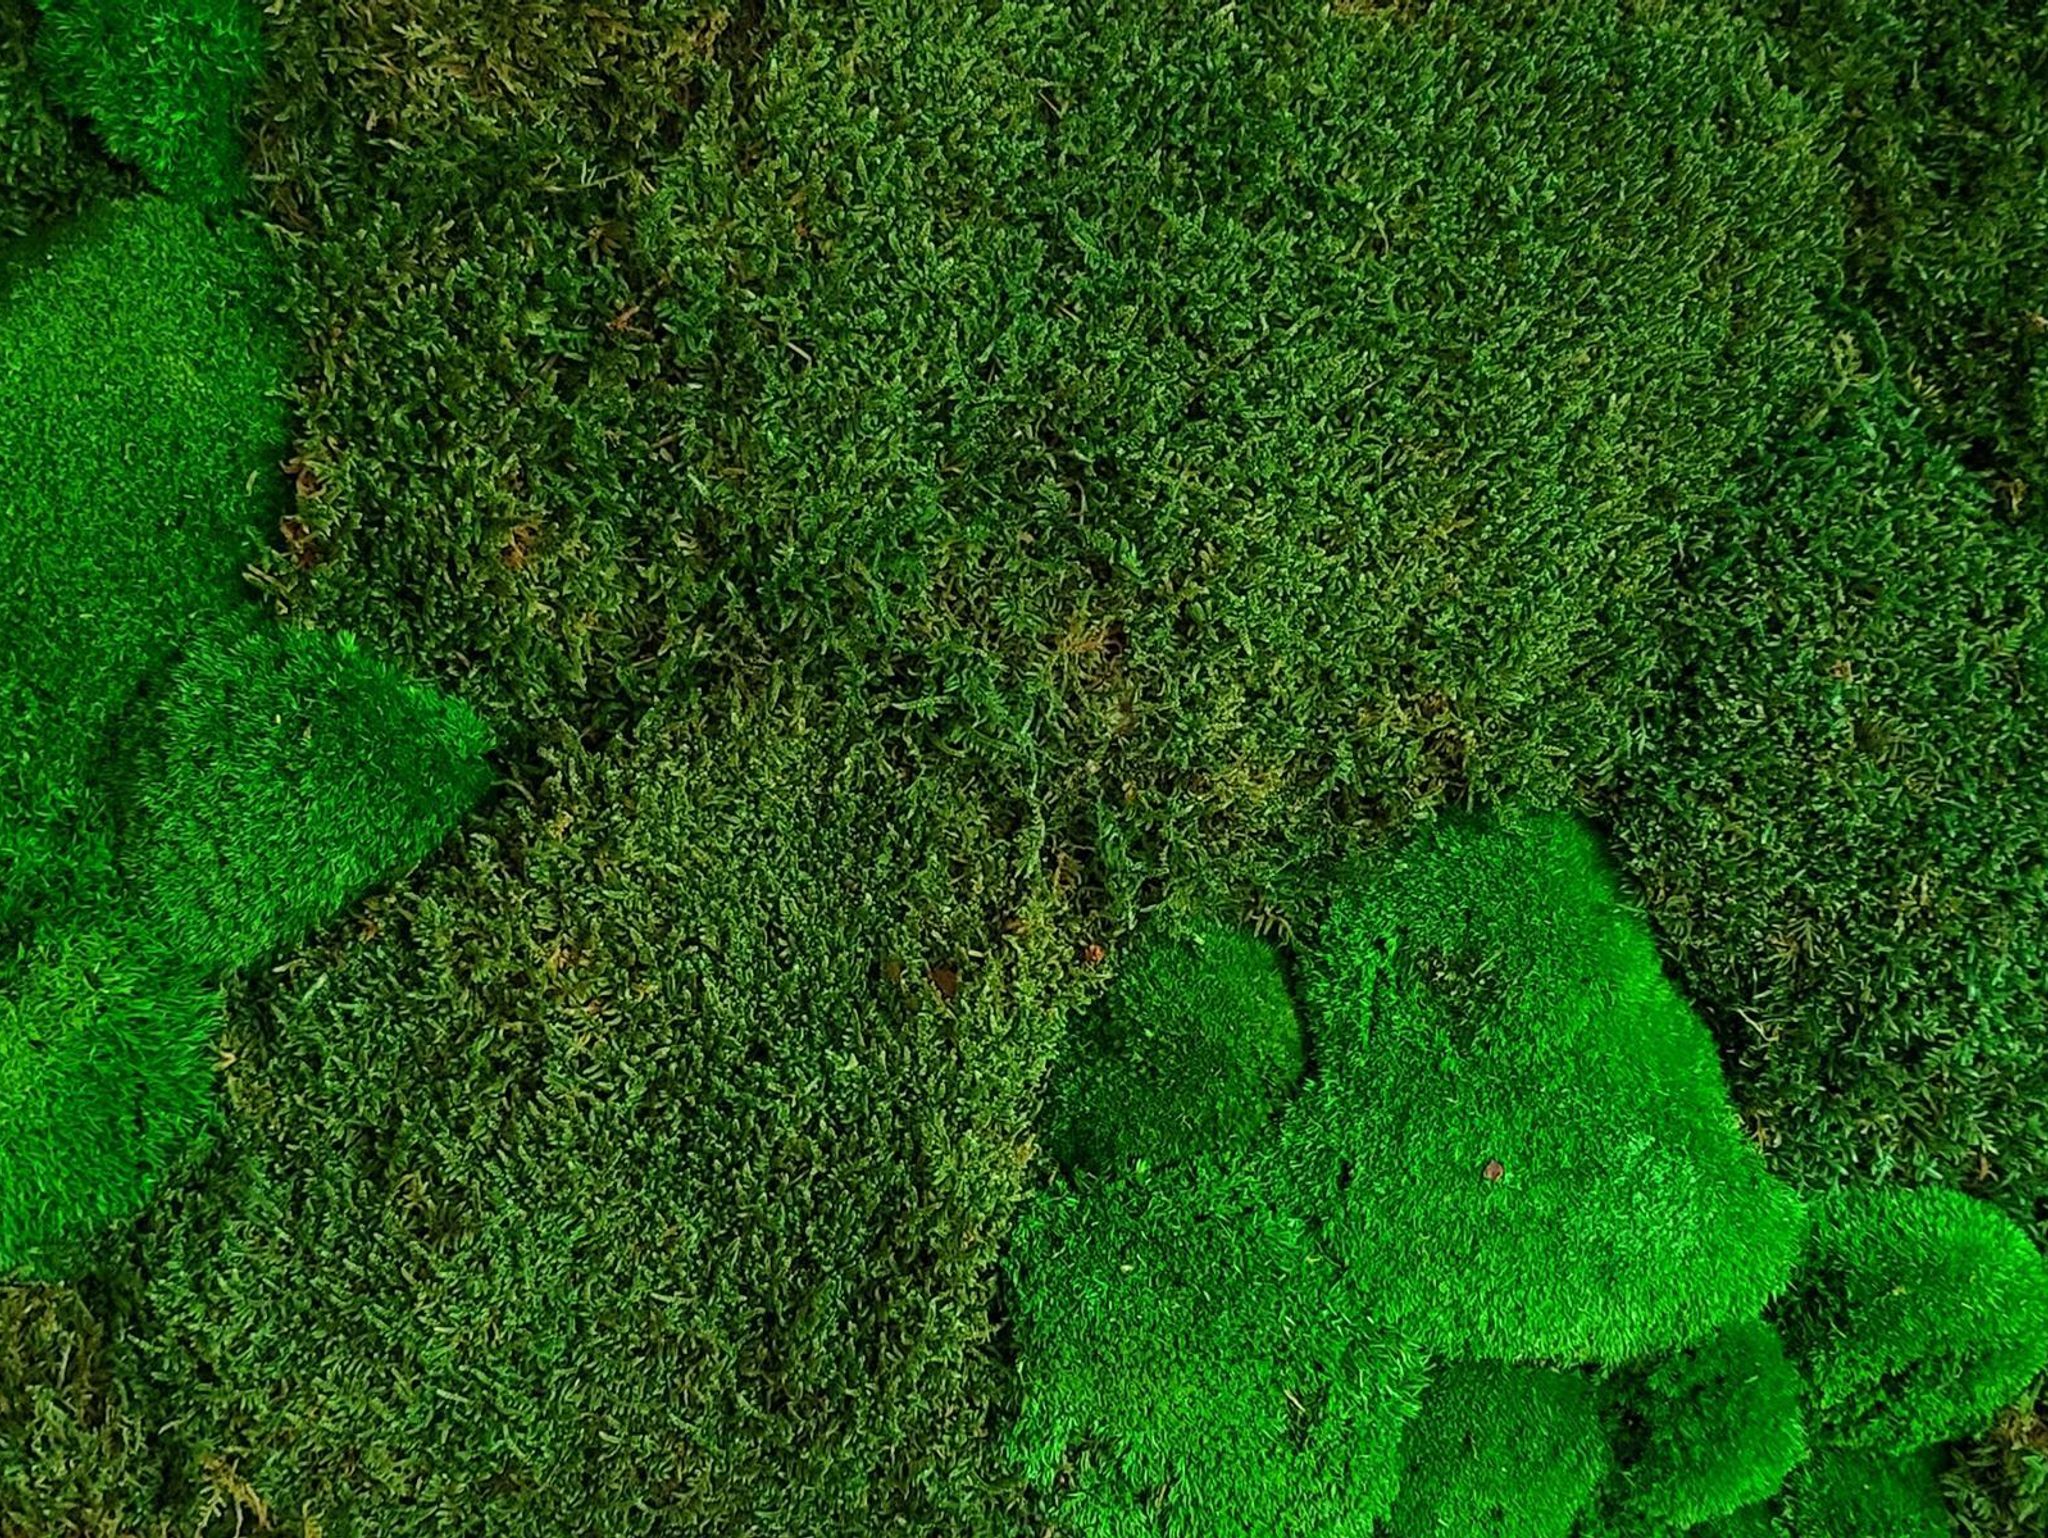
164,82
69,1435
104,1081
1919,1314
1191,1051
280,772
672,1193
1702,1433
138,449
1499,1451
1941,115
1384,352
1519,1136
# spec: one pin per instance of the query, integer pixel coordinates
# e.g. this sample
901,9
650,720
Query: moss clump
1701,1434
104,1081
139,438
1228,1377
1920,1312
1499,1451
1191,1052
278,774
1520,1140
164,81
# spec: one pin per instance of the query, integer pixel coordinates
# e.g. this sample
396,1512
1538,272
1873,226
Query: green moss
164,82
1701,1434
1332,485
1836,822
1942,118
1850,1493
1755,1521
1409,359
49,165
279,773
138,445
1233,1381
1919,1313
673,1118
1519,1136
1499,1451
104,1081
1192,1050
70,1434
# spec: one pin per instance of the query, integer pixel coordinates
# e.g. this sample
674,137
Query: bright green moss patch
164,82
1520,1138
1499,1451
279,773
1702,1433
1921,1312
104,1078
1192,1051
139,437
1230,1379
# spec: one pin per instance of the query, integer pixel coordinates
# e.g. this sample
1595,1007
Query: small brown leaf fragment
298,539
1494,1169
946,980
518,543
892,970
1092,954
304,482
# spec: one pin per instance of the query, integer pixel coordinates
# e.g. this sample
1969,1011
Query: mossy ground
918,490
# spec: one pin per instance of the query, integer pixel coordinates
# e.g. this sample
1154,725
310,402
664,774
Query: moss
279,773
1499,1451
1194,1049
104,1083
1702,1433
1193,1332
1851,1493
164,82
138,449
1520,1137
1919,1313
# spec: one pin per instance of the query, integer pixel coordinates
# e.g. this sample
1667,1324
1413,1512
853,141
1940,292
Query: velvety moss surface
924,489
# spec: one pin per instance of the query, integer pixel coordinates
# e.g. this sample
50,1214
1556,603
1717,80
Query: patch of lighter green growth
279,773
182,787
104,1083
1500,1451
1920,1313
1519,1141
